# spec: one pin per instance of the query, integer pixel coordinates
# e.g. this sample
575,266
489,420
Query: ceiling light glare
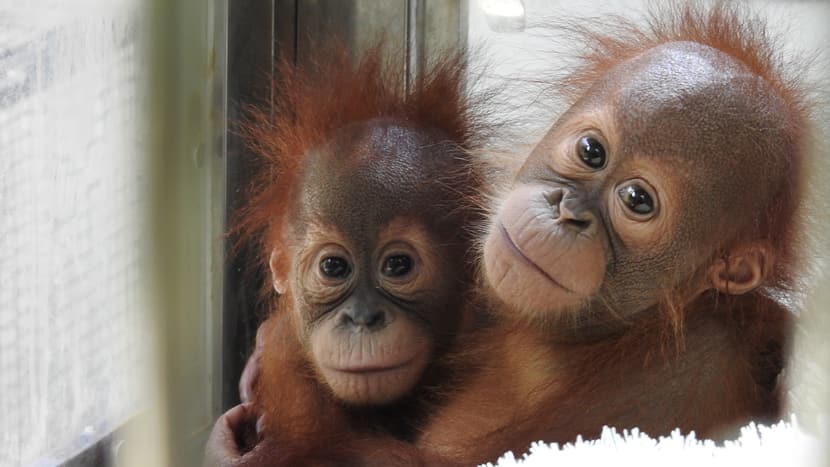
504,15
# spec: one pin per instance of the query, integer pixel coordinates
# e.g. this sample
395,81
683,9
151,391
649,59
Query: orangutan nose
568,210
368,318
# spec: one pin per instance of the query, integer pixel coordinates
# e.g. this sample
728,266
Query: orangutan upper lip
527,260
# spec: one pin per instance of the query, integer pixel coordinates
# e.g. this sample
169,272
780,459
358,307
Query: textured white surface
779,445
71,226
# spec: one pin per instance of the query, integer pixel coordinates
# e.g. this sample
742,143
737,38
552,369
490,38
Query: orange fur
706,362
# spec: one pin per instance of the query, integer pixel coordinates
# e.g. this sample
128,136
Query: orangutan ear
743,269
279,270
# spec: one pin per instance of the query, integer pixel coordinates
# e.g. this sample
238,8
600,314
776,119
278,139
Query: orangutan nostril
578,224
554,197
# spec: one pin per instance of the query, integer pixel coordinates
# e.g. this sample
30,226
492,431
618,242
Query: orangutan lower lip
526,260
363,369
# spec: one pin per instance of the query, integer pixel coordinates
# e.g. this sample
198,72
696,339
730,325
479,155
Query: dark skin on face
372,269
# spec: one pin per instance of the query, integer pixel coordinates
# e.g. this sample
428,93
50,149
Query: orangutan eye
335,267
591,152
637,199
396,266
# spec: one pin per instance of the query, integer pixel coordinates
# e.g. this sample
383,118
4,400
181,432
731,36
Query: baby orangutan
365,217
636,262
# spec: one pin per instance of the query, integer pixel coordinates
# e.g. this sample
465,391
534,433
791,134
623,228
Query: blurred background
123,326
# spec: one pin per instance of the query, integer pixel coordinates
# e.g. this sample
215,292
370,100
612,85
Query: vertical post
253,31
187,187
414,20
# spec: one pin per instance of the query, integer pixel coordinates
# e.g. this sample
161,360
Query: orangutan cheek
517,284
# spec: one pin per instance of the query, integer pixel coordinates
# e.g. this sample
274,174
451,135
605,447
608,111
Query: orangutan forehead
696,104
374,171
680,81
384,151
383,135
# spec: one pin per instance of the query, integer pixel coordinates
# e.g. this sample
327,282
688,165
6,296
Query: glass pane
72,202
